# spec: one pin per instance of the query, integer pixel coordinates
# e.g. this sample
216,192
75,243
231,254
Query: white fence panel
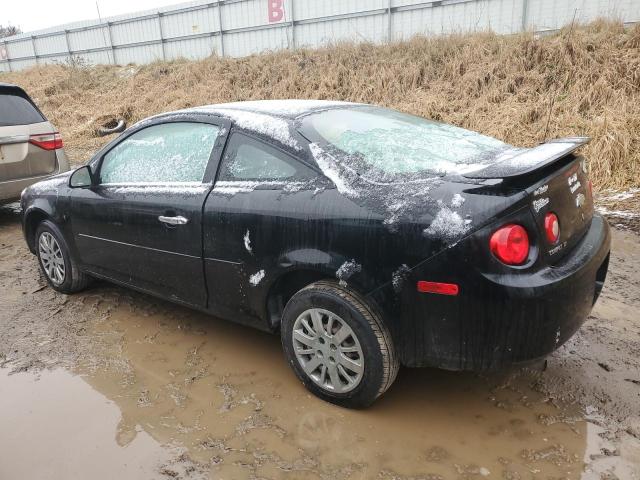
190,23
248,42
193,49
370,29
201,28
51,44
21,49
89,39
304,9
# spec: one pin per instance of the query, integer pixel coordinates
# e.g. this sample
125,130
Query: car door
141,224
248,222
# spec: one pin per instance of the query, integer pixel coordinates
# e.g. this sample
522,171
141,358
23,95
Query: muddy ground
115,384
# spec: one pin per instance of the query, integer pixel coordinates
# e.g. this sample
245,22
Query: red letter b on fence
276,11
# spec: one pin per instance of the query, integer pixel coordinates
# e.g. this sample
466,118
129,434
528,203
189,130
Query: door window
169,152
247,159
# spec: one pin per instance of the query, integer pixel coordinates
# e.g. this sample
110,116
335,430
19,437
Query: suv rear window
17,110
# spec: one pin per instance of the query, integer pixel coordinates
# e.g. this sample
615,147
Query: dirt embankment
505,86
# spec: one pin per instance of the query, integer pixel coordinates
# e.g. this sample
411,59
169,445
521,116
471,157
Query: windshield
383,143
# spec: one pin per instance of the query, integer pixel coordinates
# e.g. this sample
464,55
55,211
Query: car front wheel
57,265
337,345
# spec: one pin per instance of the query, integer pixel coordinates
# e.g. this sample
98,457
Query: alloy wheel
328,350
51,258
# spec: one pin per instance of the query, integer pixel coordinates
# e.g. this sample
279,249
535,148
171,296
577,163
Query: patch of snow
626,195
457,201
256,278
282,107
230,187
346,270
177,188
274,127
233,187
329,167
448,224
617,213
398,277
247,242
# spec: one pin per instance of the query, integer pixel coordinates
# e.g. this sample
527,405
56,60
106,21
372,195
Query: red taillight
510,244
551,227
438,287
47,141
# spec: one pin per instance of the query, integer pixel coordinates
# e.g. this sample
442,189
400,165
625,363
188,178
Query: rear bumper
10,190
500,320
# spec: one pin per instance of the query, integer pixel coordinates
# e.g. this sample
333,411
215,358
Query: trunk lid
555,180
567,193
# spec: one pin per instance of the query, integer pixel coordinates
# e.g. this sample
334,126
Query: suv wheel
59,268
337,345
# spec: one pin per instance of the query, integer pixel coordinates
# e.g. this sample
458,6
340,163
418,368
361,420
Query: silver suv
30,147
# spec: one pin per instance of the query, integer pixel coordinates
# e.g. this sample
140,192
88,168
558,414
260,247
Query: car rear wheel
338,345
57,265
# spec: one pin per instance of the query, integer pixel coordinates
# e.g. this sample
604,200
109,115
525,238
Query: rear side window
170,152
247,159
17,110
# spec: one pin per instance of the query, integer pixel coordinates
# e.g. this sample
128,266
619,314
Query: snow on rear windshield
381,143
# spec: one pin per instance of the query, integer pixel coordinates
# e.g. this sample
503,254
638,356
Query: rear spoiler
523,161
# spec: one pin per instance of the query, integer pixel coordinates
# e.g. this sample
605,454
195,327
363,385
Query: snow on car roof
283,108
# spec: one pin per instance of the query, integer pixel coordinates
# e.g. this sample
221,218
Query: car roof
290,108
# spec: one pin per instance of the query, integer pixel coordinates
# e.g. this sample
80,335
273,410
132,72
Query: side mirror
81,178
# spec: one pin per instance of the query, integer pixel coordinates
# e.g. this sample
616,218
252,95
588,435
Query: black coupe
367,237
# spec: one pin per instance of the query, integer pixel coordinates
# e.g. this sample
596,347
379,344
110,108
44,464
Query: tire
72,279
368,346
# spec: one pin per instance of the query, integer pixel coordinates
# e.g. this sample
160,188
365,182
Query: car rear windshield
384,143
17,110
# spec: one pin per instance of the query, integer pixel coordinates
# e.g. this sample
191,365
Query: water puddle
153,390
55,425
225,394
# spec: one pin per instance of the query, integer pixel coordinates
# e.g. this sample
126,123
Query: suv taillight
510,244
47,141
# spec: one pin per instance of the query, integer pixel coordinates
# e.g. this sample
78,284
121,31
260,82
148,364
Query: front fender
39,210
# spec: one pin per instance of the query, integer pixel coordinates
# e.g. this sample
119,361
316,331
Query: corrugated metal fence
242,27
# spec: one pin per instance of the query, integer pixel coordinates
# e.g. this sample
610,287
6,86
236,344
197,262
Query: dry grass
501,86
